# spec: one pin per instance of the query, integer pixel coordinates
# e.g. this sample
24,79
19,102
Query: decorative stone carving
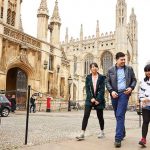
16,35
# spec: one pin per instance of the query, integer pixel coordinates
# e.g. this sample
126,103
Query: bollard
27,116
48,106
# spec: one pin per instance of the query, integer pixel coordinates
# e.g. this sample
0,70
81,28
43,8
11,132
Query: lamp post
69,82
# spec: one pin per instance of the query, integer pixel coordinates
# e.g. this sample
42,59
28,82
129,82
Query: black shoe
117,143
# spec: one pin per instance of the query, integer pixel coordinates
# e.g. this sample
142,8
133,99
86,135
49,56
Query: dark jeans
87,112
146,120
32,106
120,107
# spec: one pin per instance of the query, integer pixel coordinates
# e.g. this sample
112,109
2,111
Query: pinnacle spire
43,7
133,11
81,32
20,26
132,16
55,16
97,29
66,36
66,31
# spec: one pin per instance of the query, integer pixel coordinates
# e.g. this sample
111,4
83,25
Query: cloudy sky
73,13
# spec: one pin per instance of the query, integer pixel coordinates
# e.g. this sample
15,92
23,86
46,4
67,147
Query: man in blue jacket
120,83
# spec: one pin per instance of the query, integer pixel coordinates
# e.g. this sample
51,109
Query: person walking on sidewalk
144,96
95,90
32,104
120,83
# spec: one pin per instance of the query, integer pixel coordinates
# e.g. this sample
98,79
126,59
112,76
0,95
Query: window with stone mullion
1,12
13,18
75,64
9,16
107,61
88,61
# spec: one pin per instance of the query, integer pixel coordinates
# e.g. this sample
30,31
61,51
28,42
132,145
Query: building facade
46,63
25,60
101,48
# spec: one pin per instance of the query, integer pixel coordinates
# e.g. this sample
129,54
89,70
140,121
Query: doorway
16,83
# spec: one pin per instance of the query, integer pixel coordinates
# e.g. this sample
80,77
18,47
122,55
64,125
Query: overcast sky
73,13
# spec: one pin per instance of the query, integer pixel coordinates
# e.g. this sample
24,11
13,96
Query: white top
144,91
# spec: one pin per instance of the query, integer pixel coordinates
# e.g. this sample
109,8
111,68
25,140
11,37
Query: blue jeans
120,106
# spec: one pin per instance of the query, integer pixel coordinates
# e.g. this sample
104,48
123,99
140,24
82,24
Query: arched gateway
16,83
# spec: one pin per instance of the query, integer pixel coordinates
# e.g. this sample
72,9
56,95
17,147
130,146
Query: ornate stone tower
133,38
54,26
121,26
132,33
42,25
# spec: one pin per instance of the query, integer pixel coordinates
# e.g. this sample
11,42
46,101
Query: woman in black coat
95,91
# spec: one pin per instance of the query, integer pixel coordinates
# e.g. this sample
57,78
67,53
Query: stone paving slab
56,128
93,143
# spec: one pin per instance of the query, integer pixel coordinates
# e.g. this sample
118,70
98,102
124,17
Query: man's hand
114,94
128,91
96,102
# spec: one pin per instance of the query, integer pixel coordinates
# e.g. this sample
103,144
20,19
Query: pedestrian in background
95,90
13,103
120,83
8,97
32,103
144,96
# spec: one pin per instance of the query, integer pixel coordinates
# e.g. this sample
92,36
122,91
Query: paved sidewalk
93,143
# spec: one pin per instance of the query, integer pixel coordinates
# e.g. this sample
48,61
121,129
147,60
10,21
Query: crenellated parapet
90,41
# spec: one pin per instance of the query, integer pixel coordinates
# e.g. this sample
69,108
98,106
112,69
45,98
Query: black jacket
100,91
111,80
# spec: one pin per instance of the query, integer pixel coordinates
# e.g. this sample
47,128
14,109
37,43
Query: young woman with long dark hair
95,90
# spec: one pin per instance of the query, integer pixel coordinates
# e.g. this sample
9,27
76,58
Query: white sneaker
101,135
80,137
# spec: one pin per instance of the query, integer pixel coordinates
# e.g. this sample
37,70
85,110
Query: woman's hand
145,100
96,102
93,100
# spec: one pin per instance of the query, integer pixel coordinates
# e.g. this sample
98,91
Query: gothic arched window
51,62
21,80
88,60
9,16
13,18
75,64
107,61
1,12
